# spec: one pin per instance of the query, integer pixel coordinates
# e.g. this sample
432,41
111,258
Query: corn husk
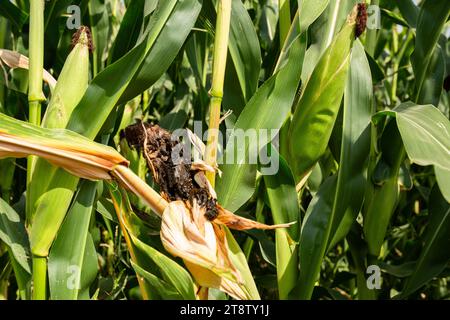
202,246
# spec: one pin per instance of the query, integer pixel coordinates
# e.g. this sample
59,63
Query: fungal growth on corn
177,181
183,180
361,20
192,223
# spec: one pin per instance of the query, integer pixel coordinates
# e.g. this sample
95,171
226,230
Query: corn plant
224,149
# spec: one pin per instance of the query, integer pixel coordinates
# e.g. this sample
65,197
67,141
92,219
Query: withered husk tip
87,39
447,83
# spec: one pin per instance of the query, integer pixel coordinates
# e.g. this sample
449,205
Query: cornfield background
357,94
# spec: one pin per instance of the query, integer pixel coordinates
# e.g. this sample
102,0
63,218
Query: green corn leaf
16,16
409,11
377,72
312,247
443,180
394,17
172,277
67,272
432,17
324,30
90,268
176,118
309,11
317,109
435,254
244,65
425,133
53,11
103,92
99,22
164,289
171,271
285,208
106,209
54,35
244,49
165,46
238,259
50,210
236,185
434,79
355,144
130,27
14,235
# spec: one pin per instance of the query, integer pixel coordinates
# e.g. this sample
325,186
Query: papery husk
187,234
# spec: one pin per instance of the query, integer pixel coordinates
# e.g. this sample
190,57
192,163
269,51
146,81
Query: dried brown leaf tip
361,20
83,36
203,246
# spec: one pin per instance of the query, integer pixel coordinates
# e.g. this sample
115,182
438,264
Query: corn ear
70,88
52,189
